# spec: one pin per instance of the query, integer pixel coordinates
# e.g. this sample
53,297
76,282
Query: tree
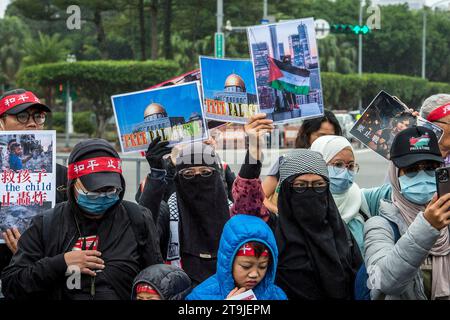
167,29
154,28
44,50
13,34
99,80
337,57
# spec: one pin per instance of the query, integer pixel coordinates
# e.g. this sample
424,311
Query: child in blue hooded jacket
247,259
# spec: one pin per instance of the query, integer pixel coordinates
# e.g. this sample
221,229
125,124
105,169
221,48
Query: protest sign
27,176
173,113
190,76
383,119
229,91
287,73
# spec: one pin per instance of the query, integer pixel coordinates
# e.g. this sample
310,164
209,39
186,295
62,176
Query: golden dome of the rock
154,108
233,80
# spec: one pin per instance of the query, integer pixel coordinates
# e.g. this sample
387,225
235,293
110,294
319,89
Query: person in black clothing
21,110
190,222
318,256
156,150
95,232
161,282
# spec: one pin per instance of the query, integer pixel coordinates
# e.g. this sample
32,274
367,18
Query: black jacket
38,269
170,282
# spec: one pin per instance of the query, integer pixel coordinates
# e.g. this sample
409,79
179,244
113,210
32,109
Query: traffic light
349,28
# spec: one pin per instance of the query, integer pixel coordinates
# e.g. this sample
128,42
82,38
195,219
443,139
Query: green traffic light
365,29
350,28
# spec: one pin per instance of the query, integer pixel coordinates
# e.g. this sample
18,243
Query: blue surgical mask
340,179
418,189
96,206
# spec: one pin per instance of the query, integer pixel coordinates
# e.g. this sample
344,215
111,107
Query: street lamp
362,3
424,35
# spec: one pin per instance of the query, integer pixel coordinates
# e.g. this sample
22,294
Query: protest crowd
195,229
195,232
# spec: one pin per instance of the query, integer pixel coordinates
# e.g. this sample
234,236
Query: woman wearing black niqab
318,256
203,209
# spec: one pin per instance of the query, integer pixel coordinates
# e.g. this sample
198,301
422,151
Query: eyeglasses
110,193
319,186
413,170
39,117
190,173
339,166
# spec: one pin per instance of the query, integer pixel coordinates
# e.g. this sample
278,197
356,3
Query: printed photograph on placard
287,72
173,113
383,119
27,176
229,91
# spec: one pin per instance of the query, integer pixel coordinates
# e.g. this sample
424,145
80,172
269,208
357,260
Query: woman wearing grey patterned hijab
318,256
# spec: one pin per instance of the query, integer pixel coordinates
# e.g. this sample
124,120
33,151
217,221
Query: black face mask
315,260
309,207
203,207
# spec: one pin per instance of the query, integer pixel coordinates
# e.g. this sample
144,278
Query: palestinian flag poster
287,73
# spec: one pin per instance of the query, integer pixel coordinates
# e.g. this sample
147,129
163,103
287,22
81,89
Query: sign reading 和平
229,90
173,113
27,176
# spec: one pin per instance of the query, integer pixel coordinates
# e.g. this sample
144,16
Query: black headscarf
203,211
316,260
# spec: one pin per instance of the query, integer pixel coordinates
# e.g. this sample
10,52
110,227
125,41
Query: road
372,171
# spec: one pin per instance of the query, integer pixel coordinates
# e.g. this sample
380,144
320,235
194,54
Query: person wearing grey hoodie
407,247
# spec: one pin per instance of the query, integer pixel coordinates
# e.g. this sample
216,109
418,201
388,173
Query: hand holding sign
155,153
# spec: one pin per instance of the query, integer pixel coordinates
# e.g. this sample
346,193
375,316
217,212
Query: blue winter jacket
239,230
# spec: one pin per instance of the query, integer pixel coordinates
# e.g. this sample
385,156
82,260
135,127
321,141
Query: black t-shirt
99,285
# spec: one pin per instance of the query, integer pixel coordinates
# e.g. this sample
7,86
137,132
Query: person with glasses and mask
318,256
96,234
408,243
339,155
21,110
191,221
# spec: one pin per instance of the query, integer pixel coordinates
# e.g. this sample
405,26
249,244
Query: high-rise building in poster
274,40
304,43
281,49
296,50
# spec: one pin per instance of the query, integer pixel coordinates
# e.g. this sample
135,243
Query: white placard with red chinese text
27,176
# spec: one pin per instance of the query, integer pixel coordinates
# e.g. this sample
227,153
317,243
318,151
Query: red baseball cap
18,100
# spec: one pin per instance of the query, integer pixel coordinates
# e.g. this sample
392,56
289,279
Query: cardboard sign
229,91
383,119
287,72
173,113
27,176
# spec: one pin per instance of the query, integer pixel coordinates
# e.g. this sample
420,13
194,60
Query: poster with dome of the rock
287,72
229,91
173,113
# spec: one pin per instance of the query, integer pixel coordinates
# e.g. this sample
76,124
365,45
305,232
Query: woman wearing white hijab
339,156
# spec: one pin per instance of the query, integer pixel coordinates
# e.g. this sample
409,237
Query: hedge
113,77
98,80
82,122
342,91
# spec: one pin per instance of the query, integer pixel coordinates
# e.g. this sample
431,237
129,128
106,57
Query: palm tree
337,56
12,36
45,49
